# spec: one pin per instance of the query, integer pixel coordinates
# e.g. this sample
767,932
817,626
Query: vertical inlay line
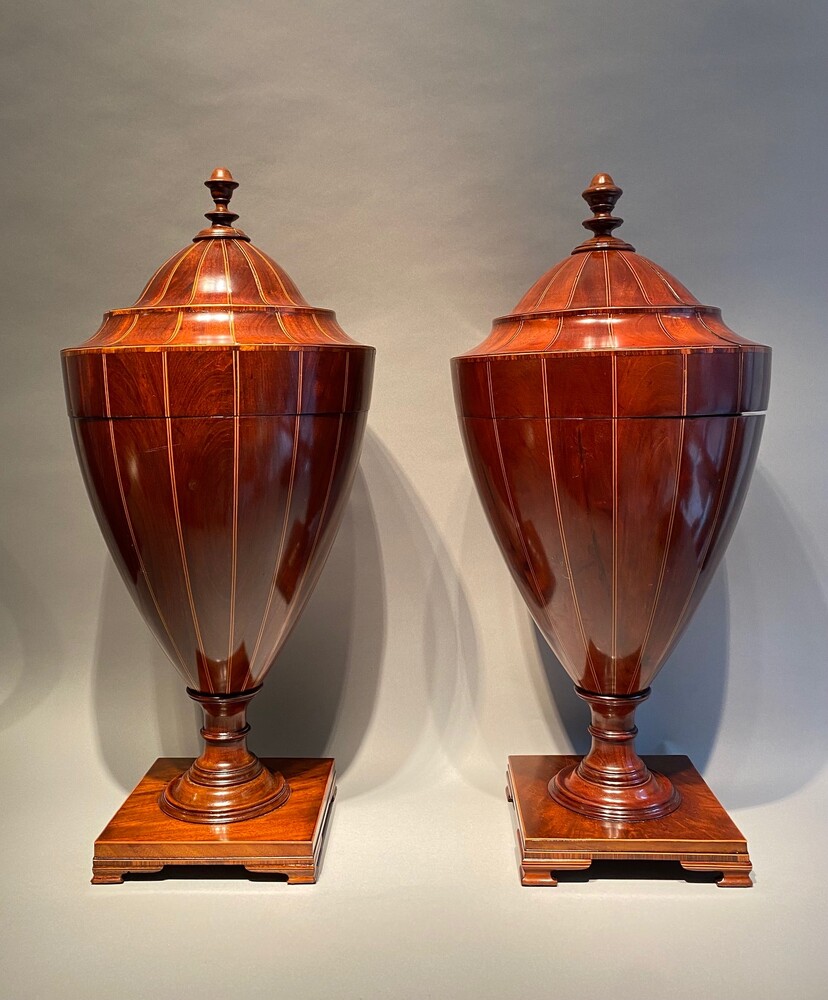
177,516
284,329
734,340
555,335
122,493
197,275
178,323
564,547
170,276
240,247
635,684
126,332
235,514
270,266
608,293
614,632
515,520
229,289
552,276
286,522
322,513
713,525
322,330
580,271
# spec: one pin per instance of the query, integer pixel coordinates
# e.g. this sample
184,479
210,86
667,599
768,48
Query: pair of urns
611,423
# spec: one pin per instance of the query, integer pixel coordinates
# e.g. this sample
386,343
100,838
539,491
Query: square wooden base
287,841
699,834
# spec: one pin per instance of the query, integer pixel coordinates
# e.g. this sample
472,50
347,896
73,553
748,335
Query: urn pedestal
218,425
611,423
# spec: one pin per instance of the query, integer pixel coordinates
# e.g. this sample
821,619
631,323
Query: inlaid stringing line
513,509
240,247
235,535
564,547
284,329
288,501
514,335
229,290
721,336
660,274
614,637
323,511
552,276
171,275
178,323
667,333
322,330
269,265
577,279
197,275
610,331
157,271
183,671
634,273
177,514
556,334
707,544
126,332
634,680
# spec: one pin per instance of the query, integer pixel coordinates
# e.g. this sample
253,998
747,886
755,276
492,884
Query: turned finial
222,186
601,196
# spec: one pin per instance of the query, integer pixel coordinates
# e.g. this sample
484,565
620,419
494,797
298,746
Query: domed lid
605,296
221,290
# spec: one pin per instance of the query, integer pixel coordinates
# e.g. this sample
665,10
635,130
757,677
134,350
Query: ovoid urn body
218,424
611,423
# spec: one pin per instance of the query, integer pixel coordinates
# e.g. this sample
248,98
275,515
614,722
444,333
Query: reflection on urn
218,424
611,423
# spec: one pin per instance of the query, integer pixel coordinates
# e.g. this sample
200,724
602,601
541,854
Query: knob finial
222,186
601,196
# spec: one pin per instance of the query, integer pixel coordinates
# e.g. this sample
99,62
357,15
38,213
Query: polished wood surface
553,839
612,423
289,841
218,425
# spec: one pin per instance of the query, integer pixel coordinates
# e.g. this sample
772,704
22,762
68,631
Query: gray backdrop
393,157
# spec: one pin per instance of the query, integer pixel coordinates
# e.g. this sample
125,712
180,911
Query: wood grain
612,423
218,424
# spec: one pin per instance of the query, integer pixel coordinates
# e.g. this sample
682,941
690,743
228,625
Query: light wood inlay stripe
713,526
171,275
614,633
564,547
235,528
239,245
177,515
309,561
552,276
273,271
197,276
229,289
555,337
515,520
636,674
181,666
126,332
285,524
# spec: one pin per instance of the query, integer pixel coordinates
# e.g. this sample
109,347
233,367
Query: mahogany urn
611,422
218,424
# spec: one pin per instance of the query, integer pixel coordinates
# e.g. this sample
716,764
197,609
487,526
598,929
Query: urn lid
219,291
605,297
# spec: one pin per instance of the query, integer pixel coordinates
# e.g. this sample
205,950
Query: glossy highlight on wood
612,423
218,423
141,839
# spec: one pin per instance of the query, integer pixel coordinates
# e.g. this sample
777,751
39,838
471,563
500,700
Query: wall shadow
141,709
317,698
754,720
30,641
319,695
683,713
